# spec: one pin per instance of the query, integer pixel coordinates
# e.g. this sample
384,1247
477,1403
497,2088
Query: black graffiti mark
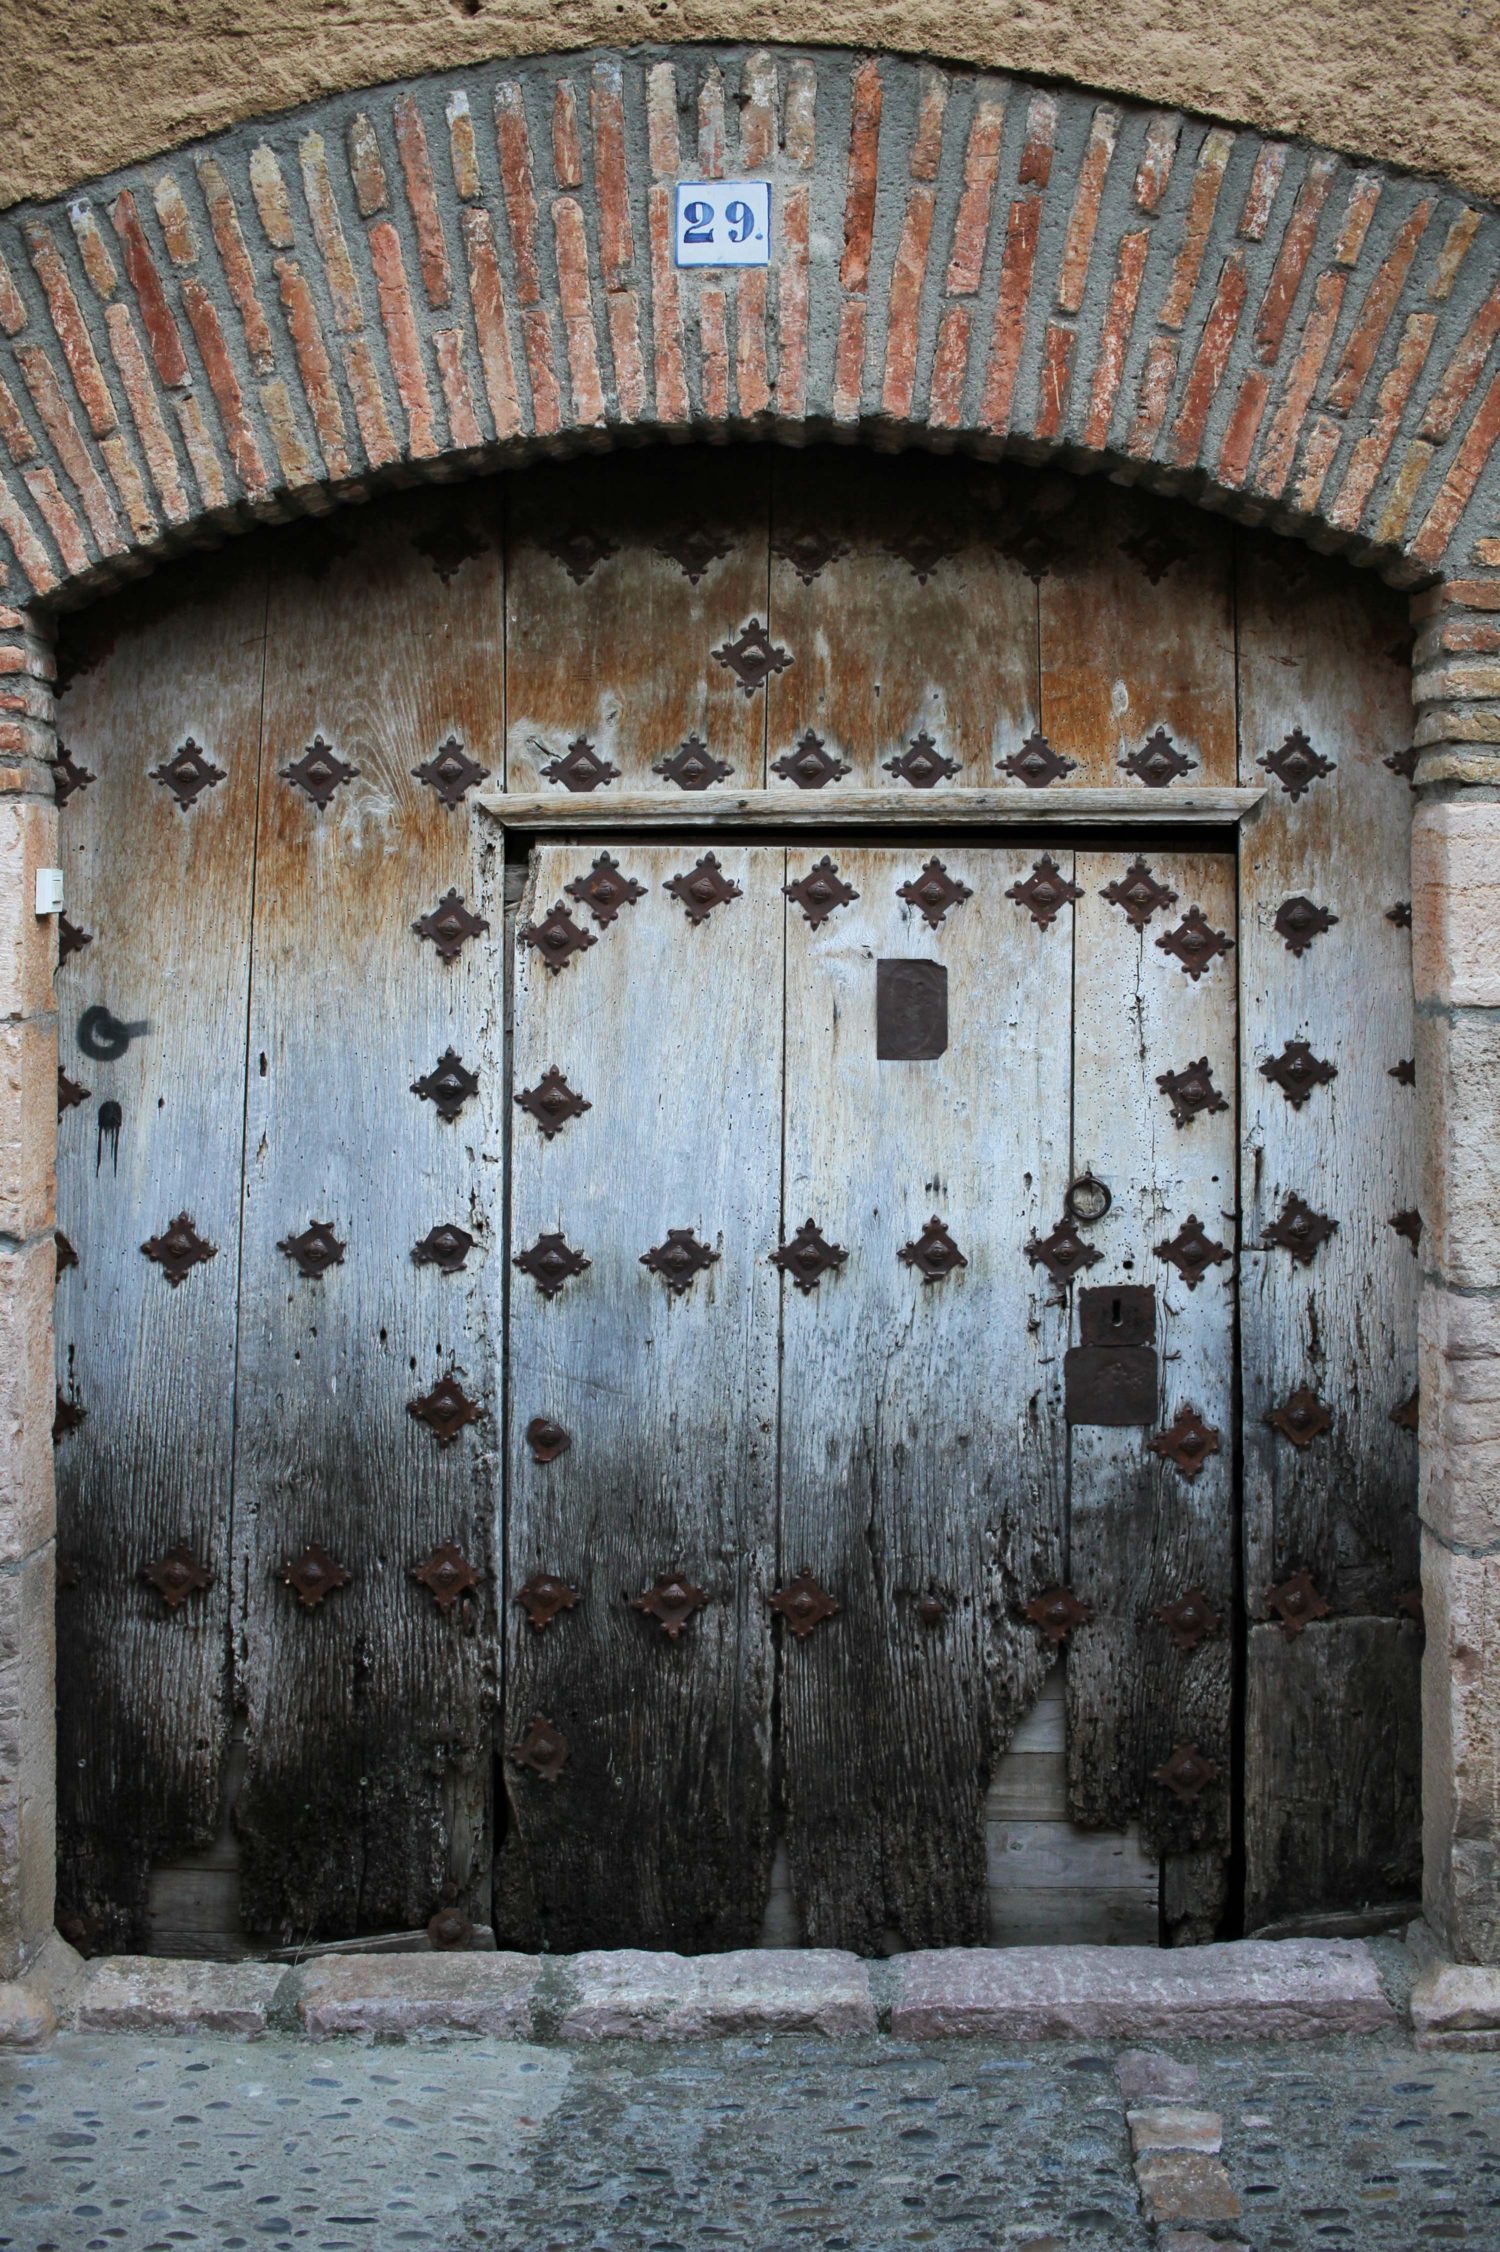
110,1117
104,1037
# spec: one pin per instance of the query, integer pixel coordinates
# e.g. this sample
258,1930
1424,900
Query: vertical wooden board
623,578
921,1433
903,614
164,892
1142,1533
657,1831
369,1716
1137,634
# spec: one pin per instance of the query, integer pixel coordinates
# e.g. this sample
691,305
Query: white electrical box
724,223
49,891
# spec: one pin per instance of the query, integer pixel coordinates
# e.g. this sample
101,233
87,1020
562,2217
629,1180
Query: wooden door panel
143,1699
657,1831
369,1714
921,1447
1145,1532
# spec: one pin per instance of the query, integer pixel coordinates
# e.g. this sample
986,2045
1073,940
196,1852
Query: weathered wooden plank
164,893
623,578
657,1832
369,1716
903,615
1143,1532
851,808
921,1445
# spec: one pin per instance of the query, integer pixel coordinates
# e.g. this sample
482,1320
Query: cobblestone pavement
111,2143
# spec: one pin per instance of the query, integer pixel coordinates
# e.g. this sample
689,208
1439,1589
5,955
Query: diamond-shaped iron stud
557,938
450,925
315,1250
679,1260
445,1247
580,551
1186,1443
820,891
1191,1092
934,1252
68,776
1296,765
70,939
1156,552
671,1602
1057,1611
178,1249
691,767
546,1439
1408,1225
319,772
1297,1071
580,769
803,1603
544,1597
752,656
810,764
1300,1230
1301,1417
552,1102
177,1575
1192,1251
605,890
1063,1253
542,1748
67,1415
694,548
66,1255
69,1093
933,892
1405,1072
1045,893
922,764
445,1410
1189,1620
450,772
187,774
1295,1602
1404,763
808,1256
922,547
313,1575
1036,763
1298,921
1195,943
448,1085
1186,1773
1400,914
550,1262
1035,550
446,1574
809,551
1138,894
702,888
1158,761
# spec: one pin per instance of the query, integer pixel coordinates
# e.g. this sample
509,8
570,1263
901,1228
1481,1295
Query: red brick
1463,594
18,441
125,476
12,307
713,333
1009,331
299,467
1463,370
1473,637
520,193
1056,371
1082,225
1488,551
1209,361
463,151
1208,179
1157,158
40,378
950,367
751,377
1265,179
177,228
711,123
849,361
625,351
238,434
463,423
662,145
1380,301
1041,133
758,112
864,159
1243,428
201,452
905,304
1457,488
541,369
1280,449
402,340
672,403
314,367
1154,397
1400,499
145,410
93,250
72,334
792,306
268,189
421,196
59,519
567,151
162,338
611,185
577,307
1114,337
1323,437
1369,456
229,241
971,229
800,134
1291,259
328,233
366,169
1364,196
927,142
1454,251
487,296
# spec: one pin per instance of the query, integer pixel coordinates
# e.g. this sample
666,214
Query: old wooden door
820,1160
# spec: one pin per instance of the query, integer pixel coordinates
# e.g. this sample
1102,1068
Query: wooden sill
840,809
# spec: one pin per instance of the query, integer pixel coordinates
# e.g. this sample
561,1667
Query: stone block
1461,1751
148,1994
1149,2076
1238,1990
27,2019
397,1997
1458,1072
1455,909
1457,2006
27,1397
28,1805
1183,2185
1174,2126
1459,1361
28,941
28,1127
633,1995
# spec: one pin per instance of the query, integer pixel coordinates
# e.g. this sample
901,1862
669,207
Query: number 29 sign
724,223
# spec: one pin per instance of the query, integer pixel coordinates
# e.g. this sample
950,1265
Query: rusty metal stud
1189,1620
446,1574
449,925
808,551
315,1250
445,1410
820,891
1155,551
1301,1417
178,1249
68,776
1404,763
1063,1253
1296,765
1192,1251
552,1102
557,938
544,1596
67,1415
1297,1071
69,1093
808,1256
1195,943
450,772
671,1602
1158,761
752,657
934,1253
1405,1416
1186,1773
550,1262
1410,1601
811,765
1300,1230
1035,551
1187,1442
1296,1601
543,1748
187,774
319,772
1400,914
580,769
605,890
1298,921
546,1439
448,1085
70,939
66,1255
931,1610
702,888
449,1932
445,1247
803,1604
1057,1611
691,767
933,892
1045,893
922,764
1036,763
1191,1092
922,547
177,1575
1138,894
580,551
312,1576
694,548
1405,1072
1409,1225
679,1259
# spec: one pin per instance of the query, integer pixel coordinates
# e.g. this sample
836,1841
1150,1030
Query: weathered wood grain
846,808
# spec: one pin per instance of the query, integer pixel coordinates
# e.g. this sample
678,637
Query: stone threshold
1293,1989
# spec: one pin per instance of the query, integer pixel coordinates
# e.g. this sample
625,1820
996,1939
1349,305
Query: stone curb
1457,2006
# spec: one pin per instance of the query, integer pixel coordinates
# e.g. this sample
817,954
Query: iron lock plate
1111,1378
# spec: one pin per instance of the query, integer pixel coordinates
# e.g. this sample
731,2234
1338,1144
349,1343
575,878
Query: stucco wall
86,85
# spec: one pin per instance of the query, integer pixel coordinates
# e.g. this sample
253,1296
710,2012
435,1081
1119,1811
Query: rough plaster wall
86,85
